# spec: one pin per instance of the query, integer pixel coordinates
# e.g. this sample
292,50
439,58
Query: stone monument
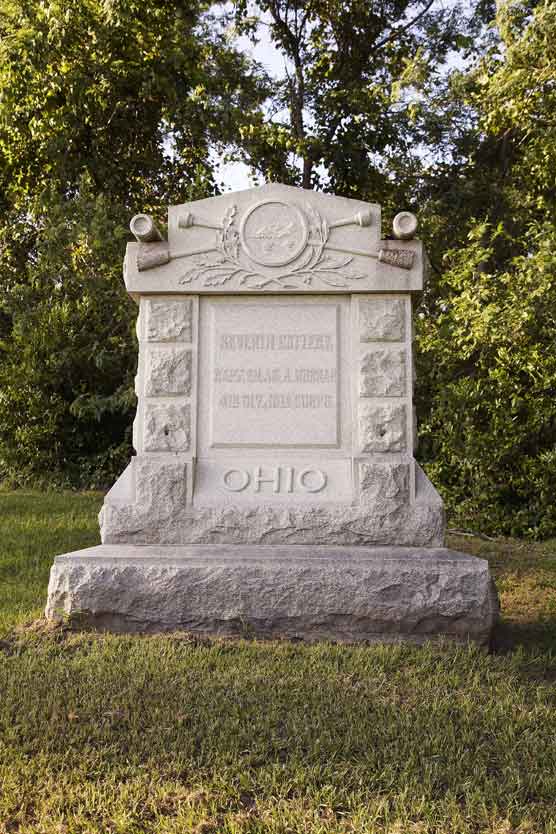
274,490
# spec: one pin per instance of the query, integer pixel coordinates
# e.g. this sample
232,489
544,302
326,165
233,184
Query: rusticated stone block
382,320
169,320
160,485
167,427
384,483
382,427
377,594
383,373
168,371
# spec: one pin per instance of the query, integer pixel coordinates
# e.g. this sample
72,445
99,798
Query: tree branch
393,35
292,41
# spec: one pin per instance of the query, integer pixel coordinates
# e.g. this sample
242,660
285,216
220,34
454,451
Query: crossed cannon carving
156,251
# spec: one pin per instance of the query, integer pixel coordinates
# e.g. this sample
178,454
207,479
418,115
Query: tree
68,358
374,105
347,115
487,339
132,94
105,106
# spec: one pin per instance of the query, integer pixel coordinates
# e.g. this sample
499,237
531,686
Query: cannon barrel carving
144,229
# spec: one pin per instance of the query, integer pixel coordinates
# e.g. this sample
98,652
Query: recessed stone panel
169,320
282,480
383,373
273,373
167,427
382,427
168,371
382,320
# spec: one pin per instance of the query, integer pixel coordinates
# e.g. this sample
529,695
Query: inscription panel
273,375
284,481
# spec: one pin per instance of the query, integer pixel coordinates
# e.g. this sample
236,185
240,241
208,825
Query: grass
102,734
34,527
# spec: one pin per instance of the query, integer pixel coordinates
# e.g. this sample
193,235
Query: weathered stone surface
382,427
169,319
267,417
383,373
387,522
384,485
152,491
382,319
277,238
167,427
405,225
382,594
160,515
168,371
160,483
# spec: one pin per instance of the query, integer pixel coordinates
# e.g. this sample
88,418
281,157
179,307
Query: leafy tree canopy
348,115
132,94
105,106
487,337
448,109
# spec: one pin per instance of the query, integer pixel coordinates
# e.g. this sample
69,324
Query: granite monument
274,490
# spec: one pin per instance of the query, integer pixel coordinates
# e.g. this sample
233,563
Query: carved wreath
216,270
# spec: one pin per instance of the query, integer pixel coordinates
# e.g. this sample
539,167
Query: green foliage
350,114
105,107
491,431
487,338
131,93
66,375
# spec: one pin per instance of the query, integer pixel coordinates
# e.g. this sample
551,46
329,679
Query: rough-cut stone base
310,592
148,506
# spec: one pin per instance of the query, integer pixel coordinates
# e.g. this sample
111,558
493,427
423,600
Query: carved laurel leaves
231,262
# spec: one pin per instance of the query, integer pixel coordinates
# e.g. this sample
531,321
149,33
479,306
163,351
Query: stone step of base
346,594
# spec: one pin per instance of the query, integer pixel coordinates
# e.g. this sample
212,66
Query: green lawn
169,734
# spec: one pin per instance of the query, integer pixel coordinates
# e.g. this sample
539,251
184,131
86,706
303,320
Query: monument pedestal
348,594
274,490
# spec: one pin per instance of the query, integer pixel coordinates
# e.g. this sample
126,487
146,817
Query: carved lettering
289,478
276,341
265,401
279,479
274,376
306,480
234,484
259,479
277,386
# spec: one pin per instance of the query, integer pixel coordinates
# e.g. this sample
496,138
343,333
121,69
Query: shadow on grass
533,636
525,576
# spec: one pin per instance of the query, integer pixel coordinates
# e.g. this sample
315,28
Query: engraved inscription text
274,375
276,479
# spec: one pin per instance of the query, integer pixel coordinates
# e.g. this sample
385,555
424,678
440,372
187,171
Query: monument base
348,594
